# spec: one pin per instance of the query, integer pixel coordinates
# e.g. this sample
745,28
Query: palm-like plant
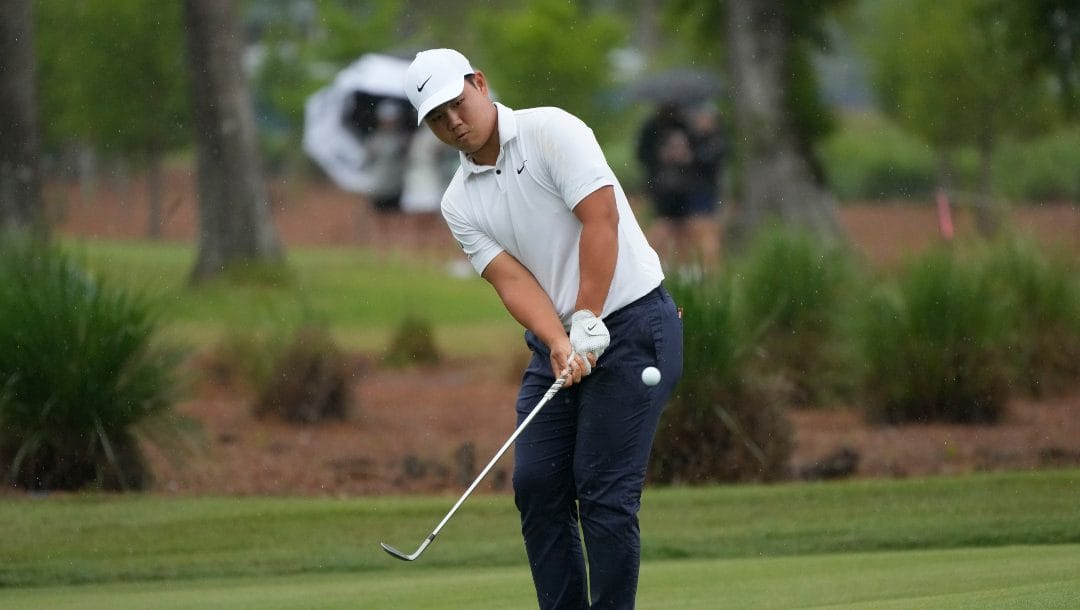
79,370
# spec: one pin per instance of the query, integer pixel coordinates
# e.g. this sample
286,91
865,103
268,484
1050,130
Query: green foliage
870,159
113,74
301,55
945,71
242,357
719,425
1044,169
934,344
1046,35
795,288
79,370
715,344
351,28
413,343
1043,297
309,382
549,53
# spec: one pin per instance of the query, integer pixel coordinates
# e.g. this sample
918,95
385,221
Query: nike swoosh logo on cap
421,86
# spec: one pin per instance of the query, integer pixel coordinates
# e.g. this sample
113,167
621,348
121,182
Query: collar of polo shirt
508,130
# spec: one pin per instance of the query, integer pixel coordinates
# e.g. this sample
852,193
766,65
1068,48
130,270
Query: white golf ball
650,375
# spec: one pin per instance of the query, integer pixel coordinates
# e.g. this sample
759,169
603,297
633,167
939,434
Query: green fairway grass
77,539
997,577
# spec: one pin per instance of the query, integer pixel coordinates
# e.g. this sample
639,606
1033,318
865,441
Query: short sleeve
478,247
576,163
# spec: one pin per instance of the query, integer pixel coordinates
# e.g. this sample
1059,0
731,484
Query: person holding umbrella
540,215
681,152
681,149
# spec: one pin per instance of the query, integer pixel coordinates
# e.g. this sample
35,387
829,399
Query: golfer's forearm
535,313
526,301
598,250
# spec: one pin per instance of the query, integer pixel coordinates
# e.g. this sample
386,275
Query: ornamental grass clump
934,345
795,289
1042,292
721,424
310,380
413,343
80,372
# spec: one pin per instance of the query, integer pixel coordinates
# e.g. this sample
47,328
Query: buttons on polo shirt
499,172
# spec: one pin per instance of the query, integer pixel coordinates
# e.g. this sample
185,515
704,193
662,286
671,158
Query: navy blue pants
583,459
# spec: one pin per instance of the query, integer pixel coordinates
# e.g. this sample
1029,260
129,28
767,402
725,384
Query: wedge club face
402,556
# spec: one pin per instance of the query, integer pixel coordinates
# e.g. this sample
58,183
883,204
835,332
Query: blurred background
891,237
878,101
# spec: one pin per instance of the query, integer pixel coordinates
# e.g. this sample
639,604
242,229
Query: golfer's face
467,121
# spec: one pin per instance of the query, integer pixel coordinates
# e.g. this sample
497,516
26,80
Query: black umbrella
675,85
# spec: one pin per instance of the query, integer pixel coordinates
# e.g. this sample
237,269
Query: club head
398,554
402,556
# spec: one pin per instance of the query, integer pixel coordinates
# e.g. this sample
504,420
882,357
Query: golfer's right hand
563,358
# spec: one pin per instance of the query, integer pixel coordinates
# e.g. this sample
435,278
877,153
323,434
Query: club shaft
555,387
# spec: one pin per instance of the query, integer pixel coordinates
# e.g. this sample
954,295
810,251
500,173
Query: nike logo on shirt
522,168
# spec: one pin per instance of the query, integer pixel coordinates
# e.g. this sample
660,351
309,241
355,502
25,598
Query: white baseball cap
435,77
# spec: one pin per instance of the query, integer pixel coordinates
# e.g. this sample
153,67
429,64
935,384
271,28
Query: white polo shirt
549,160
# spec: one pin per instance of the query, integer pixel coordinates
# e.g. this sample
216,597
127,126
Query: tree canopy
947,71
112,75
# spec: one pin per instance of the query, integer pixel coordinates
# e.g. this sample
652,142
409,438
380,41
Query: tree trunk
234,219
20,169
777,181
647,28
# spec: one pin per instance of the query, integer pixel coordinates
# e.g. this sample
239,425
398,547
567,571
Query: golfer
541,217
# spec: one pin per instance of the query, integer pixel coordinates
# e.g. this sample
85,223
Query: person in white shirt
541,216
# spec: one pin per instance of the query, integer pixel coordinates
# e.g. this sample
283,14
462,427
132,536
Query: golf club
555,387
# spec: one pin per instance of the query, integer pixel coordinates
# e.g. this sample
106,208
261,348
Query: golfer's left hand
588,337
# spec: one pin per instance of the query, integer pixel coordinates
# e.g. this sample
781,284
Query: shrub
1043,297
872,160
1044,169
310,380
719,425
794,288
241,357
413,343
933,345
79,372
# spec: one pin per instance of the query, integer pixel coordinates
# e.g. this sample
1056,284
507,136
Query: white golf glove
588,335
